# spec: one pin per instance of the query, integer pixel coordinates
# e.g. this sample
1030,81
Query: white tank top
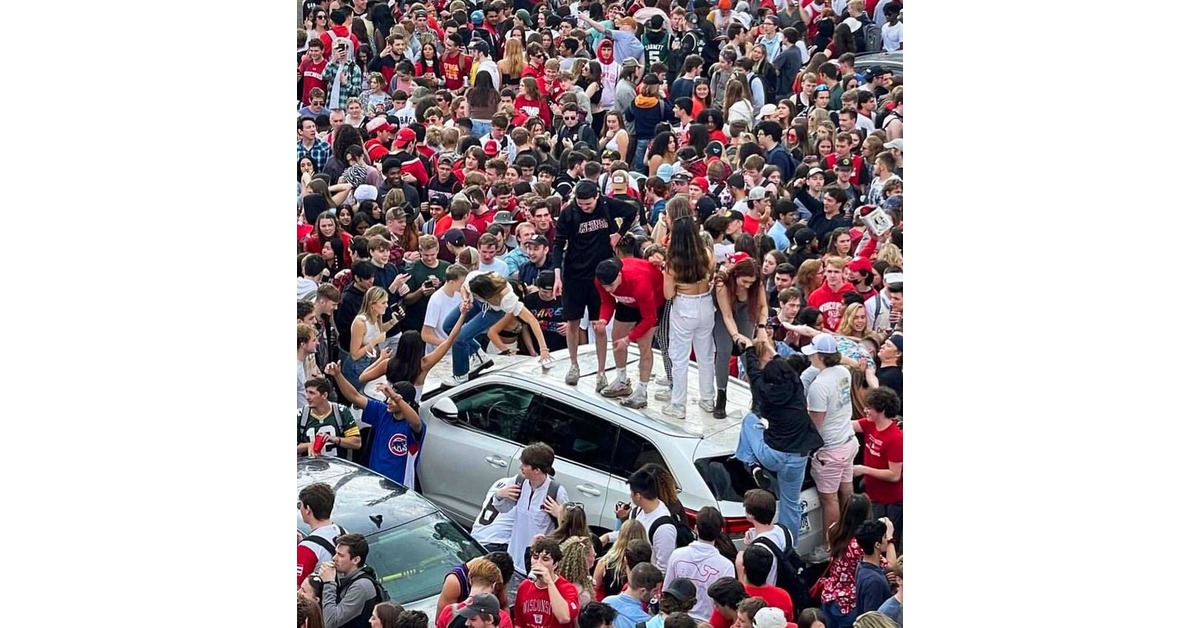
372,330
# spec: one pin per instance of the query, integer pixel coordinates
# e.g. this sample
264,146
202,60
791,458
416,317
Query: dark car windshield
412,560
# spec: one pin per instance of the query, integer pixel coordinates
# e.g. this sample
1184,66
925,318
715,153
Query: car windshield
412,560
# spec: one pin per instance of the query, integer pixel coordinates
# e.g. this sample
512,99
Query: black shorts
578,295
626,314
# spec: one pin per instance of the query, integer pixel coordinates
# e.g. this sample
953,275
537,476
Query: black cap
545,279
480,46
734,214
845,163
656,22
539,240
803,236
480,604
608,271
681,589
455,237
713,149
586,189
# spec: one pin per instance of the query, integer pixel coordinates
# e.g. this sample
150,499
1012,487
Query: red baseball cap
860,265
405,137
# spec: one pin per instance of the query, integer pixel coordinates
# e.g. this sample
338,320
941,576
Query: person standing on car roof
534,495
316,506
632,291
587,231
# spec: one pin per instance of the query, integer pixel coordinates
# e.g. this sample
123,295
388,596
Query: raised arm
345,388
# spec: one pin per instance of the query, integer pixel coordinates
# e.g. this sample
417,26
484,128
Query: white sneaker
706,405
635,400
662,395
459,379
662,380
674,412
601,382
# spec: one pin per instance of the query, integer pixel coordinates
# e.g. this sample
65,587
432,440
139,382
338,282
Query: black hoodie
779,397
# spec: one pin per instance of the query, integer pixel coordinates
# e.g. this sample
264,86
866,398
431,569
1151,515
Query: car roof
891,60
364,501
698,424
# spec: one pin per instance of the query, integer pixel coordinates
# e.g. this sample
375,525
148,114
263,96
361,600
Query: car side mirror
445,410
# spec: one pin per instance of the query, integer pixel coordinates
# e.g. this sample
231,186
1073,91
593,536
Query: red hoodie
829,302
530,107
641,287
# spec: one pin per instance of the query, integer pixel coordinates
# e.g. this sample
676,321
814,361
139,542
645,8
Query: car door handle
588,489
497,461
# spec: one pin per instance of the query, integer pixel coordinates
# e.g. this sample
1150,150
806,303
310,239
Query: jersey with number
493,526
339,423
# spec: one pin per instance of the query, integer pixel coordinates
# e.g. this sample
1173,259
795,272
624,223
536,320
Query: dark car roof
365,502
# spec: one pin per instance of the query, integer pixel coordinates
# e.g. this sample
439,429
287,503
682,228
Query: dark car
412,543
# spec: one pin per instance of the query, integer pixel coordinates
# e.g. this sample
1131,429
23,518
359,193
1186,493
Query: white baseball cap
821,343
770,617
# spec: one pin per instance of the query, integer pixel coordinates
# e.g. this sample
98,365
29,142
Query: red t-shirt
829,301
879,448
447,615
532,609
775,597
312,77
482,221
642,288
750,224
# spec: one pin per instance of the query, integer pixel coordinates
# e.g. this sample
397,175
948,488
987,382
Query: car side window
497,409
633,451
575,435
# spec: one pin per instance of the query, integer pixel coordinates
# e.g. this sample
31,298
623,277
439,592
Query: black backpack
324,542
788,569
683,534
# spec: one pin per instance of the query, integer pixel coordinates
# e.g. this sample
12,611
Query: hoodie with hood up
779,398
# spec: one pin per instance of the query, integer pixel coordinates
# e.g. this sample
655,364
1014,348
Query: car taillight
733,525
736,525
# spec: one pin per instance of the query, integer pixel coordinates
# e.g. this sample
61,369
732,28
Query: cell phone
394,311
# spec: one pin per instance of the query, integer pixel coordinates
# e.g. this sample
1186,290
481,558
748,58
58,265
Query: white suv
476,432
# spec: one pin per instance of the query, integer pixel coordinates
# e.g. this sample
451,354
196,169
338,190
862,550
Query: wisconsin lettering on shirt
596,224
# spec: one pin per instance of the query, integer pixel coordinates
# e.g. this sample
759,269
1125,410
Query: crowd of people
720,182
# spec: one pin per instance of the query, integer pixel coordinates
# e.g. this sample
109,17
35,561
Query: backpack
381,594
683,534
324,542
552,491
872,37
788,569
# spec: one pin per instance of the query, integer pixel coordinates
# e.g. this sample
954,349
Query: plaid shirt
319,153
345,91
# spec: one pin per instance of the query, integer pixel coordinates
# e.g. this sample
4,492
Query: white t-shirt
893,36
300,379
775,534
664,537
830,393
439,307
701,563
491,525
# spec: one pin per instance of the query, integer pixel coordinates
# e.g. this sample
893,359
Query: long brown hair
308,613
687,257
726,280
389,614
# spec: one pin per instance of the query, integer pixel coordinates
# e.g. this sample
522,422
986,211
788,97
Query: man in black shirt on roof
588,228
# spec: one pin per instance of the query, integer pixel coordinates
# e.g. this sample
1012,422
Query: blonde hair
835,262
574,563
874,619
374,293
890,253
845,328
483,571
632,529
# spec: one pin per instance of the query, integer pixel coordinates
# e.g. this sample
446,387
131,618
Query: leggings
724,342
662,337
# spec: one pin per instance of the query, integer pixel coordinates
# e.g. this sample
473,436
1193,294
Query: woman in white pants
688,280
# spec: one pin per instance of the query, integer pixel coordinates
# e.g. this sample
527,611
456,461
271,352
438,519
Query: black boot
719,406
